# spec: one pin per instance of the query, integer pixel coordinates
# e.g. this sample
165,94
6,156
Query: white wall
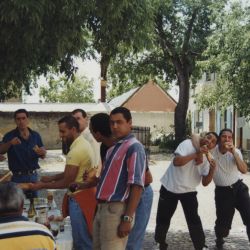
157,121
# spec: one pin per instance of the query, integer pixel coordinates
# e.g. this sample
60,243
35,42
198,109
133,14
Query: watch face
127,218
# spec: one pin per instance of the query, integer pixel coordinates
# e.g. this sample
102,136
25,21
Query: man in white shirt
82,118
230,191
179,184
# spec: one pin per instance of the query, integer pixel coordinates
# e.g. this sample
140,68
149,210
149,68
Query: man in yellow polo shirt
79,160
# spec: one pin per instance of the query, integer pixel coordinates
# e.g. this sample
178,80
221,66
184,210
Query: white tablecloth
64,241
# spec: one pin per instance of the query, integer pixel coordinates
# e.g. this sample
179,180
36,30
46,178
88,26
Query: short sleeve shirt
226,172
94,144
22,157
124,165
185,178
81,155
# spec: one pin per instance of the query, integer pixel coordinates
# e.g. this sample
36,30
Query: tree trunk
105,59
182,106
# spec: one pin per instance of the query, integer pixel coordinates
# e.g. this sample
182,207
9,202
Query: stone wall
46,124
157,121
43,122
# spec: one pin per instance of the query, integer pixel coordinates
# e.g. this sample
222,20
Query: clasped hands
202,150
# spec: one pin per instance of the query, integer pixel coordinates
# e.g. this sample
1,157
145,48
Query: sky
91,69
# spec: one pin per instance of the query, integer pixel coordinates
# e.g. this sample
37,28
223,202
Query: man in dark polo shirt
24,147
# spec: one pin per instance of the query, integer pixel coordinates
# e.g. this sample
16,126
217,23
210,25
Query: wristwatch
127,218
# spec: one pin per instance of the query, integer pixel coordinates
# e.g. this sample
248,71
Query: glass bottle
32,210
51,201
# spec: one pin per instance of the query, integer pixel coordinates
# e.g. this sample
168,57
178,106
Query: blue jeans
142,214
81,238
26,179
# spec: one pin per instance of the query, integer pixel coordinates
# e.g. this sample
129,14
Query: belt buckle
30,172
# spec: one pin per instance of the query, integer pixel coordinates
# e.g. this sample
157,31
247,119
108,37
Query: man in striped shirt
16,232
230,191
120,186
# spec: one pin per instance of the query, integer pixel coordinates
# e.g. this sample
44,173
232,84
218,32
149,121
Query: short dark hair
70,121
84,114
124,111
19,111
100,123
213,133
225,130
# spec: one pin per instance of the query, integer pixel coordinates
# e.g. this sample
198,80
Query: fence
143,135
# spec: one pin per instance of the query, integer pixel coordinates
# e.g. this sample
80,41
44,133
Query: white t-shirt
226,171
94,144
186,178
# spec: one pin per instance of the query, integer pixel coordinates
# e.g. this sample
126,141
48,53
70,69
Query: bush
165,141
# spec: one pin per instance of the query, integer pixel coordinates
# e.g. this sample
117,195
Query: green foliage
119,25
165,141
9,91
228,54
38,35
131,71
170,43
179,39
114,23
62,90
189,124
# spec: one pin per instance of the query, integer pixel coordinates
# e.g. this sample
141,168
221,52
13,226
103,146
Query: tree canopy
36,36
179,39
76,90
228,55
119,25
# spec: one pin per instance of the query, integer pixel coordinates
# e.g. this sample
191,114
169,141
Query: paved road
178,237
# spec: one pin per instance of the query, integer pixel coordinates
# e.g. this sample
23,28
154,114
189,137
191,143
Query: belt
230,186
103,201
28,172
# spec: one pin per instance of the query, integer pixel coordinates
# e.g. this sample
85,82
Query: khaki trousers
106,222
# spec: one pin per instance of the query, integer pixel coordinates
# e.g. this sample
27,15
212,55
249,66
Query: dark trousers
166,207
226,200
26,179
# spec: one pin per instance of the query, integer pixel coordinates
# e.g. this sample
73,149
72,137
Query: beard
66,145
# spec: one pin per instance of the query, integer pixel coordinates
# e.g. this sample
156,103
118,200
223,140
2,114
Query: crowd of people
107,176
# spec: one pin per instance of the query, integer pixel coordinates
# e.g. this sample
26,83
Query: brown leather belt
103,201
